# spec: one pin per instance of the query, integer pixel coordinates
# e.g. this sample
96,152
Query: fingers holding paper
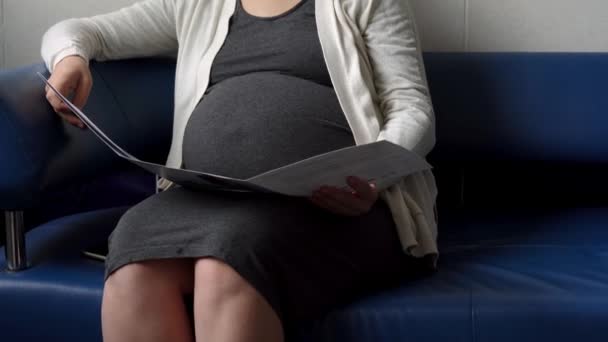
355,201
70,76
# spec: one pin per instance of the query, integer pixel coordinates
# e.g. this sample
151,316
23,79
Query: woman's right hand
70,76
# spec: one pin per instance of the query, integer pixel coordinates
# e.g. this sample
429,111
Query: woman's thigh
303,259
309,260
346,258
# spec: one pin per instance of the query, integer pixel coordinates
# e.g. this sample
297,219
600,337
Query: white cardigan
371,49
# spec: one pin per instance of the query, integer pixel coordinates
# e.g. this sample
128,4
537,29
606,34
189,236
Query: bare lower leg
144,302
228,309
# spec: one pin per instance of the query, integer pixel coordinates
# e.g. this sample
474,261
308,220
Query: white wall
25,21
2,40
513,25
445,25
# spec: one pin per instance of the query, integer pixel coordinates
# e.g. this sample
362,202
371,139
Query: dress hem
169,252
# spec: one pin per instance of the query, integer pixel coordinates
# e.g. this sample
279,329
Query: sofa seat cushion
517,275
503,276
59,296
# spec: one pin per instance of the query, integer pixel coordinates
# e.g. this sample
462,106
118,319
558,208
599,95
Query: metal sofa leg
15,241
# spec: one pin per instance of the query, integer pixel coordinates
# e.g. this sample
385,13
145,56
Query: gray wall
24,22
513,25
2,40
446,25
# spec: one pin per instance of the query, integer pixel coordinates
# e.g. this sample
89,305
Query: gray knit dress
270,102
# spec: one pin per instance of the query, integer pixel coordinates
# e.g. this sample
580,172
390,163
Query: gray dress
270,102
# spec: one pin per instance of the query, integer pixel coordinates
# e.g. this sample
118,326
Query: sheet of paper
180,176
117,149
382,162
201,180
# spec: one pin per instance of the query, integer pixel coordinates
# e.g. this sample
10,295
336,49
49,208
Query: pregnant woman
261,84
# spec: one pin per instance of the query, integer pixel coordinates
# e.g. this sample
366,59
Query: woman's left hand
347,202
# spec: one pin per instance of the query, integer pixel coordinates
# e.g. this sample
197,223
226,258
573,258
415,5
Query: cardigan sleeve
146,28
394,53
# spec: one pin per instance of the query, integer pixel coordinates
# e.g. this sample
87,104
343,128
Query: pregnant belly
256,122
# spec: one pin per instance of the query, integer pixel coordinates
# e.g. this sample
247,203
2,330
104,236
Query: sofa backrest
132,101
513,129
520,129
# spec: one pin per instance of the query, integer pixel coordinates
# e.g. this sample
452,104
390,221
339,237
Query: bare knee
217,280
227,307
144,302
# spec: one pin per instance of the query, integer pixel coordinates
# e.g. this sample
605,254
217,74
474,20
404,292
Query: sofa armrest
131,100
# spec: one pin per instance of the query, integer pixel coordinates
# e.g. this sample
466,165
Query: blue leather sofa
521,162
